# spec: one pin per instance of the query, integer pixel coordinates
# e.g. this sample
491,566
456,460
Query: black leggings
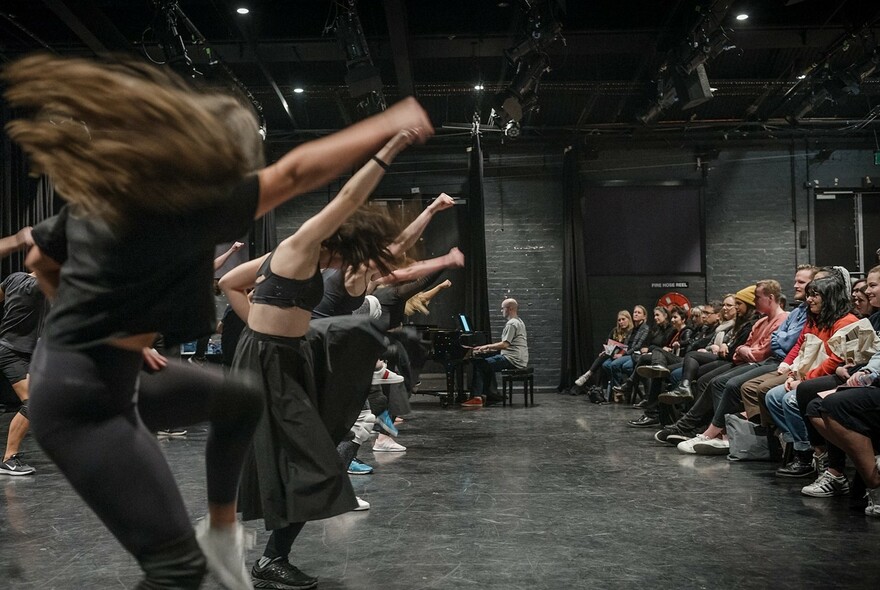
84,414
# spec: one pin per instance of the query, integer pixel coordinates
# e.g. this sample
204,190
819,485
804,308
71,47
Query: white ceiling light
298,90
742,16
242,10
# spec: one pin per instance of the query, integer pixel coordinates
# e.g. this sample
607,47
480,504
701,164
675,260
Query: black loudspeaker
693,89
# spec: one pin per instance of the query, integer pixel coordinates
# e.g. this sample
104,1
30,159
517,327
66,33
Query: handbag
747,441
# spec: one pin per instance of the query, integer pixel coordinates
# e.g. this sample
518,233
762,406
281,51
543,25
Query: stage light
242,10
478,87
742,16
298,90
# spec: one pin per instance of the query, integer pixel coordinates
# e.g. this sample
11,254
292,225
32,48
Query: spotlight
298,90
512,130
742,16
242,10
478,87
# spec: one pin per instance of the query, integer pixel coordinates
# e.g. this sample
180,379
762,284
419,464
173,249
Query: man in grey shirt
512,352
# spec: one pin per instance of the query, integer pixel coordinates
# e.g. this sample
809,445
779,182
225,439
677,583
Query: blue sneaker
358,467
386,423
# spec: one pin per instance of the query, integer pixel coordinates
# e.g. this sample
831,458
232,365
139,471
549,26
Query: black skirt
314,388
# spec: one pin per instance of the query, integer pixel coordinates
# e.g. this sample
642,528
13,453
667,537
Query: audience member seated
617,369
829,304
614,347
655,361
756,349
704,337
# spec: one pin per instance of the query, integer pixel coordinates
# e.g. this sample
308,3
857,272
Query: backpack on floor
748,442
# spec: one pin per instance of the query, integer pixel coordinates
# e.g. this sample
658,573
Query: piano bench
527,376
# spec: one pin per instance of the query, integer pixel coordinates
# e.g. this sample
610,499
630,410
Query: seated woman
618,334
615,368
663,339
862,306
829,311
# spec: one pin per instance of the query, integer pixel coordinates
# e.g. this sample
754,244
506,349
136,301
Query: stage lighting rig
363,79
531,60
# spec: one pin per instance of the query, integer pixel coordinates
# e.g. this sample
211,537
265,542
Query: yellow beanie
747,295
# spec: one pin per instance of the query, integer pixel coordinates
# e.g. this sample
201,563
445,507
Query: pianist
512,352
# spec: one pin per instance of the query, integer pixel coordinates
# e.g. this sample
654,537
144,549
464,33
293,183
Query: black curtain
24,200
576,329
477,294
264,235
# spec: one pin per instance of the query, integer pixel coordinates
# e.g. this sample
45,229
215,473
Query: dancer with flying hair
155,175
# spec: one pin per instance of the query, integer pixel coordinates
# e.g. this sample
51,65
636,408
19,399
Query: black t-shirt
152,275
24,307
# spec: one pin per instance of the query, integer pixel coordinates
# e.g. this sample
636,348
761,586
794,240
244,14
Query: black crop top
336,299
284,292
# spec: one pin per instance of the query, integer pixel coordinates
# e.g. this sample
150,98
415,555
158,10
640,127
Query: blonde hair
621,334
123,137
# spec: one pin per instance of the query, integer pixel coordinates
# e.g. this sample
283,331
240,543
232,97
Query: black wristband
383,164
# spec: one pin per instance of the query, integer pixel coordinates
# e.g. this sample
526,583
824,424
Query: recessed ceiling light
242,10
478,87
801,77
742,16
298,90
713,89
503,4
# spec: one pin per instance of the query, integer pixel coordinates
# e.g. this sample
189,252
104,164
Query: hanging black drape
576,353
264,236
477,293
24,200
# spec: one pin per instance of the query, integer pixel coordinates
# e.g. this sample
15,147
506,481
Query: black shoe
800,467
643,421
680,436
626,387
676,396
652,371
663,435
280,575
492,400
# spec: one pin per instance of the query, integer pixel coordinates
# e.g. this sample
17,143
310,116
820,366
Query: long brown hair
364,238
122,137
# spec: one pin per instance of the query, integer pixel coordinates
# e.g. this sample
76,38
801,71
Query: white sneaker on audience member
388,445
827,485
224,550
712,446
687,446
384,376
362,505
582,379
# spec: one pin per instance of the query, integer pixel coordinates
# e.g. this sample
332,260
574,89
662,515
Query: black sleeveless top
284,292
336,299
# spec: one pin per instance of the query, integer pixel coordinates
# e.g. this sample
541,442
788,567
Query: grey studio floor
560,495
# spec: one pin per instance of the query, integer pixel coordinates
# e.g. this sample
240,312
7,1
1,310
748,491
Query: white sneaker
362,505
827,485
384,376
687,446
712,446
582,379
224,551
388,446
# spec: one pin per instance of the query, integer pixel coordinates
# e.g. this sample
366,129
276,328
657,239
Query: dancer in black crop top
294,456
141,229
278,291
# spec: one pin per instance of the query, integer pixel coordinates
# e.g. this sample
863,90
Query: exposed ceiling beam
101,35
398,30
577,44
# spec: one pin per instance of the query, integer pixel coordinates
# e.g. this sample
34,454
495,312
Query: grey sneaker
827,485
15,466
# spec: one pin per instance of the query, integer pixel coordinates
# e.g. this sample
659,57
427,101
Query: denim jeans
619,369
783,408
483,378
